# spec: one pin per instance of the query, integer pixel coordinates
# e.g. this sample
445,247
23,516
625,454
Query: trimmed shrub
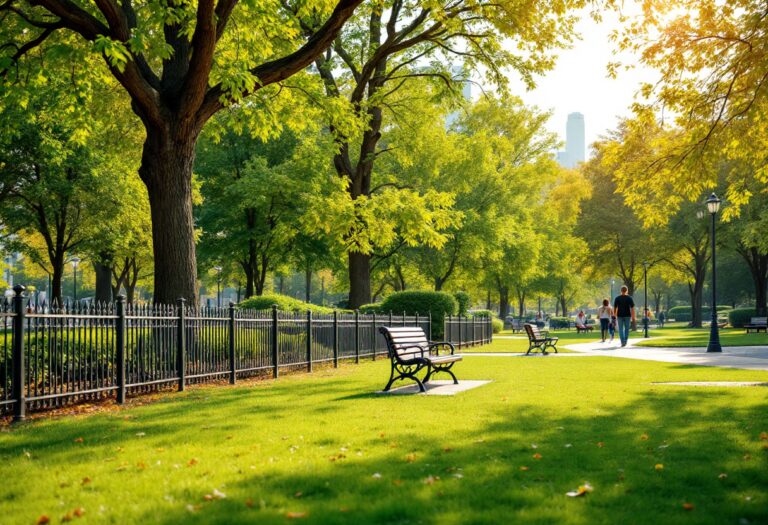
462,298
284,303
497,325
371,308
684,313
439,304
559,322
738,317
482,313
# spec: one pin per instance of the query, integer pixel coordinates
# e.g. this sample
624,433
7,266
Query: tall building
575,146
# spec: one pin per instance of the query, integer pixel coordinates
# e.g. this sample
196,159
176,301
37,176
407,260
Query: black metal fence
51,357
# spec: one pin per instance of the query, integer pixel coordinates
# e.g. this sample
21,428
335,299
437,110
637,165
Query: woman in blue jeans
605,314
624,309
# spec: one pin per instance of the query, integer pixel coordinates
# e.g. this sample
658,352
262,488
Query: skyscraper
575,147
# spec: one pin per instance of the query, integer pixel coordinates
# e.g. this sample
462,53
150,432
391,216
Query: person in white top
581,319
605,314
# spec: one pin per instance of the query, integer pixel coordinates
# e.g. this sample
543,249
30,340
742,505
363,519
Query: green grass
520,343
691,337
325,445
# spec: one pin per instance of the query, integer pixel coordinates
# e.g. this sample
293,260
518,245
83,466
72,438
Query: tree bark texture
103,282
503,302
758,268
359,279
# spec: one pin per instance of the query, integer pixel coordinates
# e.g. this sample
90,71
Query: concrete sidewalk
744,357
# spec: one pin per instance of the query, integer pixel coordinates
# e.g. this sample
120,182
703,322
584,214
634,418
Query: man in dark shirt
624,309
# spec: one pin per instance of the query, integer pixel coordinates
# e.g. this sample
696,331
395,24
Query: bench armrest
408,348
443,343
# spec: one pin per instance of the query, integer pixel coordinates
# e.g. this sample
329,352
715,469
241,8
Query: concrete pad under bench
436,388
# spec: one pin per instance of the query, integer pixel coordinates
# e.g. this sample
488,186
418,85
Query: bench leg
433,371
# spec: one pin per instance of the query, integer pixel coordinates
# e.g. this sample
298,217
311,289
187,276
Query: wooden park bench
584,328
757,324
410,352
538,339
517,325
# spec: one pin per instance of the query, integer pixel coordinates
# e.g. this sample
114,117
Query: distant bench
410,352
757,324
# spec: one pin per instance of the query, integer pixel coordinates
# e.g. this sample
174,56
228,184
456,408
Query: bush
497,325
284,303
462,298
683,313
371,308
559,322
483,313
439,304
738,317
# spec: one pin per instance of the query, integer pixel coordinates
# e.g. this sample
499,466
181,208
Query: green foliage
372,308
497,325
483,313
439,304
738,317
559,322
462,298
284,303
684,313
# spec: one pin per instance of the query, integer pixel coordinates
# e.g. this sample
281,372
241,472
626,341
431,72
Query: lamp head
75,262
217,268
713,204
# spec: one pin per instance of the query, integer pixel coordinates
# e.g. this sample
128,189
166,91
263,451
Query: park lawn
501,343
691,337
324,449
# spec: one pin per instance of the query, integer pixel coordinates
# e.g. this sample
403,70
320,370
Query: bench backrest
759,320
405,342
532,331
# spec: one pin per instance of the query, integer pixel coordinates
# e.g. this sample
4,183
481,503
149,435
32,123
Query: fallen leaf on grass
568,445
141,434
523,468
42,520
298,494
722,475
296,515
447,449
659,466
581,491
534,445
78,440
764,436
397,482
376,475
747,457
688,506
192,462
410,458
430,480
644,437
85,481
249,503
537,456
600,444
193,508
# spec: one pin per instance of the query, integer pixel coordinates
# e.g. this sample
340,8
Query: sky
580,83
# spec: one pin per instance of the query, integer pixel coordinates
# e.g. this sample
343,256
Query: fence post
120,343
275,363
390,318
335,339
309,340
417,320
181,346
232,363
429,335
20,409
373,336
489,329
357,336
460,327
474,332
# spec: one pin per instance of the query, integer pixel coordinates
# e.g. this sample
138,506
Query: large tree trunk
166,169
103,283
359,279
308,283
521,303
697,299
758,268
503,302
56,280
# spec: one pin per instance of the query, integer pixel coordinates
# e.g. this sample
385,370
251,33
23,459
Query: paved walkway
745,357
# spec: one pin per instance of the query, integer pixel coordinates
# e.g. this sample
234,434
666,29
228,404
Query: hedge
462,298
559,322
738,317
371,308
683,313
497,325
439,304
483,313
284,303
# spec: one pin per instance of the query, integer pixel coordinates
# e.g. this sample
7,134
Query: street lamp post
613,281
646,320
218,285
713,205
75,262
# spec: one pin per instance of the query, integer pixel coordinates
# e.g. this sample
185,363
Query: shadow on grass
496,478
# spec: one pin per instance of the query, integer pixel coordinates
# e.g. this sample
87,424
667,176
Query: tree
390,44
56,194
179,63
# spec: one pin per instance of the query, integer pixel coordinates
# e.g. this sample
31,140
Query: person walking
624,307
605,313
